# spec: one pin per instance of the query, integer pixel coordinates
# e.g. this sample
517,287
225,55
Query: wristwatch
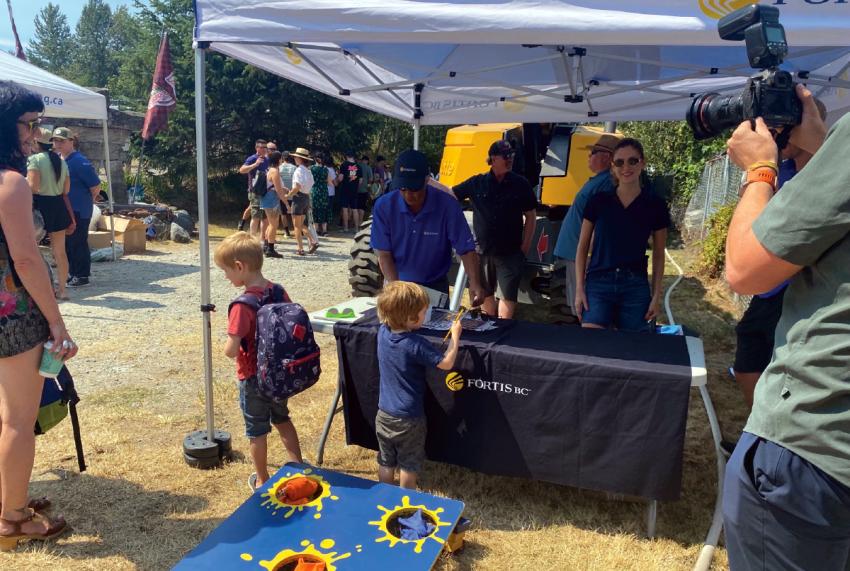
760,174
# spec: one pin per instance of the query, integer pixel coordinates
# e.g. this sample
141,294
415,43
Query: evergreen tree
93,62
52,45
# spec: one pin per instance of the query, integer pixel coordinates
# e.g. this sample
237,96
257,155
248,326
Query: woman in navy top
612,290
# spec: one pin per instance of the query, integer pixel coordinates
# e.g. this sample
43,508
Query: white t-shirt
332,177
304,177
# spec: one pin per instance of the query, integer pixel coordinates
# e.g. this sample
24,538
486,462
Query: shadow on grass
117,518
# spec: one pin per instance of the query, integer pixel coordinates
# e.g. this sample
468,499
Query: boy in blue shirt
403,360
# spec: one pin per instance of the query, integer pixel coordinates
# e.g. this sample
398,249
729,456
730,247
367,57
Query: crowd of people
305,194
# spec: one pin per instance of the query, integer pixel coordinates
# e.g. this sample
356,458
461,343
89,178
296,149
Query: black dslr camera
769,94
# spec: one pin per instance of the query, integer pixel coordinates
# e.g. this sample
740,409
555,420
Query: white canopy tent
62,99
432,62
519,60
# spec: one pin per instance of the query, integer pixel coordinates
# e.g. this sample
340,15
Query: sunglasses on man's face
631,160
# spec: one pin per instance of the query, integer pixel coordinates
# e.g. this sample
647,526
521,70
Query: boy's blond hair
400,302
239,247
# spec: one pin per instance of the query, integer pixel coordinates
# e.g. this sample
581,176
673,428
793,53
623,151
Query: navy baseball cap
500,148
410,171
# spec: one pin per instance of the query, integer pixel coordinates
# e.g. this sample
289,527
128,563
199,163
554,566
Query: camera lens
711,113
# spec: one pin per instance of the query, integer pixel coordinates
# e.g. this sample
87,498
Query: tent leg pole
109,183
416,128
203,237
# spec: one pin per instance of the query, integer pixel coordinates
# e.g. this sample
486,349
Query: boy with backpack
404,357
241,258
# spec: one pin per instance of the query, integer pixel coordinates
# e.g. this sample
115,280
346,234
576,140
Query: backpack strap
279,295
248,299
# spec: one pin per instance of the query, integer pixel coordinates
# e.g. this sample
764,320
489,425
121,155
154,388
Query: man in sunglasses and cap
599,162
415,229
504,217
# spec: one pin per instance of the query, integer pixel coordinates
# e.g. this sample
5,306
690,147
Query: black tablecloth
594,409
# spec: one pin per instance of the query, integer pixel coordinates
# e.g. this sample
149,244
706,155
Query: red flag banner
163,94
19,49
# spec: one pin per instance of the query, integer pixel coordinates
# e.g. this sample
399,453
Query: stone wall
121,124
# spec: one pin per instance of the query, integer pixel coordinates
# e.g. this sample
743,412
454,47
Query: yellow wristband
763,164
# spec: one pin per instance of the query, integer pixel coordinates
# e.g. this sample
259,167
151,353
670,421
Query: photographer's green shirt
802,400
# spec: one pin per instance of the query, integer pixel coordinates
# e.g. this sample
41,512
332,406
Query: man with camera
786,497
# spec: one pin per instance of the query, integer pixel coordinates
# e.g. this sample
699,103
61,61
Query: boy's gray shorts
401,441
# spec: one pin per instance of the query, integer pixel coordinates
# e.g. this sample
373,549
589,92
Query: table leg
707,553
651,517
320,452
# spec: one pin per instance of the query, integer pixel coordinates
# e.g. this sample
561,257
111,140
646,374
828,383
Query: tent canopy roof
62,98
478,61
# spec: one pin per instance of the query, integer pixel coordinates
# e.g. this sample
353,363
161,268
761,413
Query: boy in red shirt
241,258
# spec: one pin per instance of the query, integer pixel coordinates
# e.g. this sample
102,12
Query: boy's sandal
9,541
252,482
313,248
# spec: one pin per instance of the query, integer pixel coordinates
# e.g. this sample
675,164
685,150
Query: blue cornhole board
345,526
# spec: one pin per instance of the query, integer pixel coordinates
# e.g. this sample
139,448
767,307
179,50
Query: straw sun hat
301,152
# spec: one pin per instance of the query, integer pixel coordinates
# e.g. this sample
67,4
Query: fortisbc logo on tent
718,8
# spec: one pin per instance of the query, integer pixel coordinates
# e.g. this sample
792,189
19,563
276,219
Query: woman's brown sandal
9,541
37,504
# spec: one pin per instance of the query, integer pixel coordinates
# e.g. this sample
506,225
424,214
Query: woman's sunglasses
31,125
631,160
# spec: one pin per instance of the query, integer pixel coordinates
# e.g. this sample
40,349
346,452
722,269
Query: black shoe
241,226
77,282
272,253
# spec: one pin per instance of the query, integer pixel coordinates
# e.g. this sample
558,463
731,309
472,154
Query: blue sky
25,12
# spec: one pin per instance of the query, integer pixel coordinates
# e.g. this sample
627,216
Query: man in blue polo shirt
415,229
85,186
254,164
599,162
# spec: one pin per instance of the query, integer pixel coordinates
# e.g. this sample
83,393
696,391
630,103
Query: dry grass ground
138,506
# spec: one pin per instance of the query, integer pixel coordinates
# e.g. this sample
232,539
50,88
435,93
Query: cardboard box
128,231
99,239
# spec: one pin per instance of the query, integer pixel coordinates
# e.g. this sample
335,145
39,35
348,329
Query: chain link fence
718,186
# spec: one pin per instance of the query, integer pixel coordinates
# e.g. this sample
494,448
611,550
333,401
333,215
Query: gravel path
138,321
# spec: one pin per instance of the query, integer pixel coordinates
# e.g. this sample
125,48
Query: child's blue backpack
287,353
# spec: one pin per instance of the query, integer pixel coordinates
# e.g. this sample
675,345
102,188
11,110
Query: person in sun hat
599,162
299,194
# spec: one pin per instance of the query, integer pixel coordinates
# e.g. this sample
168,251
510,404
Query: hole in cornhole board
395,528
282,497
290,563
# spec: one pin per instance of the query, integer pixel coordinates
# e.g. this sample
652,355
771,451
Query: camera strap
782,138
